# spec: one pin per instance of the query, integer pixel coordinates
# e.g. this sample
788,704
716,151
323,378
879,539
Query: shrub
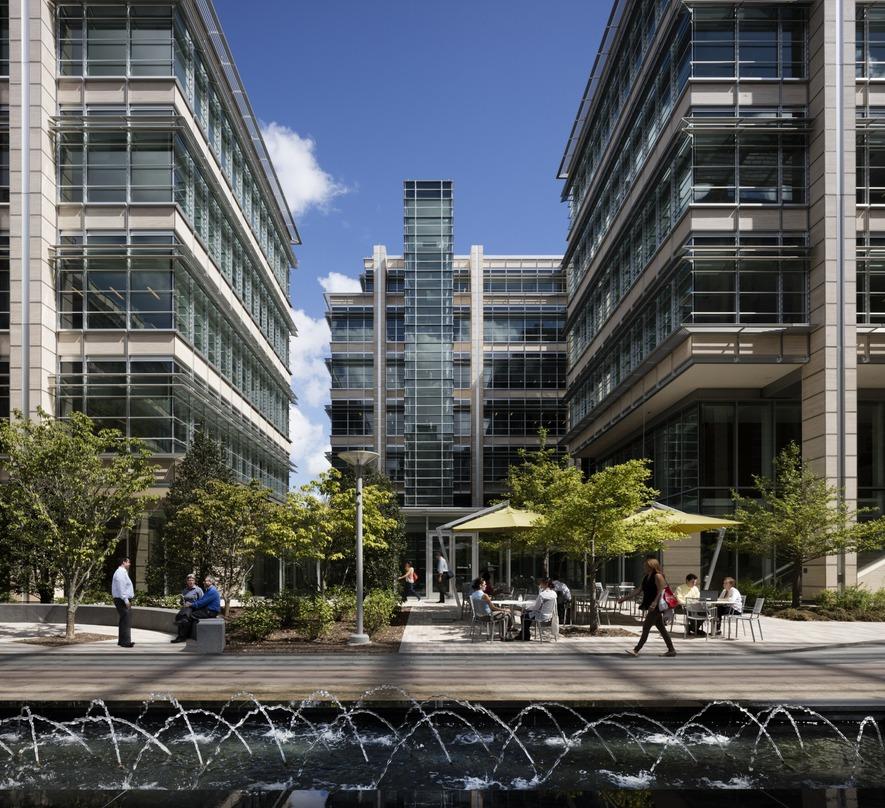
343,602
256,621
94,595
772,592
314,616
854,599
158,601
801,615
378,609
286,606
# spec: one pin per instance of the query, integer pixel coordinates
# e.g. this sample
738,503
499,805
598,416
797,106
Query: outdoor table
717,604
510,603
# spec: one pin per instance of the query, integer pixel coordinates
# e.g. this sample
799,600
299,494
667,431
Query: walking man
123,592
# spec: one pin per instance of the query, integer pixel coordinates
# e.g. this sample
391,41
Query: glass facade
429,333
162,403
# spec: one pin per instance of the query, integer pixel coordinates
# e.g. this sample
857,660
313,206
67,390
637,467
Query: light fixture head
359,458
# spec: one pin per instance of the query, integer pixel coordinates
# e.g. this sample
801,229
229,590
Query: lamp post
360,459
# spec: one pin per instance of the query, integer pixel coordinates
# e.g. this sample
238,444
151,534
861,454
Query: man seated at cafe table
685,593
482,605
732,605
542,610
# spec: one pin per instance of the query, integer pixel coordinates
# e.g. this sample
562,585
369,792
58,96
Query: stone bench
209,638
208,635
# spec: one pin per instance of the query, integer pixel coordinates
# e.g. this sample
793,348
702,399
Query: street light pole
359,459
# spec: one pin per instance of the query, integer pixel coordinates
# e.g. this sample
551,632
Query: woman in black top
652,588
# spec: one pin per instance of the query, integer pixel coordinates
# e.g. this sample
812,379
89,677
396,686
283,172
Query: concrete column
32,208
829,380
476,373
681,557
379,323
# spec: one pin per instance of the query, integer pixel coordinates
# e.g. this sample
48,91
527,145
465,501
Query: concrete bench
209,634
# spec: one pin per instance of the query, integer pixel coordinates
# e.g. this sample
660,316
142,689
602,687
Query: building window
462,420
761,42
350,373
526,371
396,373
462,373
352,417
396,328
870,41
462,328
351,327
523,327
395,419
517,418
395,463
4,281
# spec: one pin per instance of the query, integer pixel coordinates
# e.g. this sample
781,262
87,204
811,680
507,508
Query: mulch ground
60,639
584,631
288,641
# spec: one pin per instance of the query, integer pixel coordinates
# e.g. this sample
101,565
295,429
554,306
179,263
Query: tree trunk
591,587
72,612
797,584
226,608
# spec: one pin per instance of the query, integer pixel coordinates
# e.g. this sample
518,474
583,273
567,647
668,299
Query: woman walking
652,587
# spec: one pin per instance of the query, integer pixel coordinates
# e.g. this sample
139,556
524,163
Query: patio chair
700,612
751,618
604,605
466,591
485,619
551,625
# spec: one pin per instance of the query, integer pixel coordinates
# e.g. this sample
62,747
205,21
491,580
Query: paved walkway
434,628
146,642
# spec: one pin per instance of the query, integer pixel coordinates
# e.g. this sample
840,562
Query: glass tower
429,333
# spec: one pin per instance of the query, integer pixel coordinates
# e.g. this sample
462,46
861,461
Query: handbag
668,599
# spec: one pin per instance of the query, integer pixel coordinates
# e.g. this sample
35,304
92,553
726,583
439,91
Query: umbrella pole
720,538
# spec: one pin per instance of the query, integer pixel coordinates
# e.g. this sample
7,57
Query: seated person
482,605
735,601
189,594
563,597
542,610
689,591
201,609
486,578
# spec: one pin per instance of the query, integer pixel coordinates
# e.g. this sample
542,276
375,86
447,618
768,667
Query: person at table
689,591
563,597
542,610
409,579
482,605
488,587
730,602
652,588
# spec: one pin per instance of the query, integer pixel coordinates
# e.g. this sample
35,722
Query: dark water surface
440,753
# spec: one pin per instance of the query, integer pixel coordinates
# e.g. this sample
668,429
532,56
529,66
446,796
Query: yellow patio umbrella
505,520
681,521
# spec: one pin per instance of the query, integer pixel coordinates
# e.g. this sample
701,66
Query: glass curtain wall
429,334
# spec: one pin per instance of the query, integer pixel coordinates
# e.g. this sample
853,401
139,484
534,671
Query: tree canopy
72,492
801,517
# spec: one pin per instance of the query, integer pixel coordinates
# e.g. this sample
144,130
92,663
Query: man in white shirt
542,610
442,576
123,592
735,602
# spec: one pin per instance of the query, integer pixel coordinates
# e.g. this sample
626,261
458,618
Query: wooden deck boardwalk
853,675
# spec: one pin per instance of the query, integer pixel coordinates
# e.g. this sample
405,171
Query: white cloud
336,282
304,183
308,351
310,442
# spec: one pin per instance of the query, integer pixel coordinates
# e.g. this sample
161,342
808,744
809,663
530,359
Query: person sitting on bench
203,608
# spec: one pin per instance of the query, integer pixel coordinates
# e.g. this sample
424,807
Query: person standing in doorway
652,587
123,593
441,567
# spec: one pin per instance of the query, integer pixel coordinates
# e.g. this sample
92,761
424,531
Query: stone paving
433,627
146,642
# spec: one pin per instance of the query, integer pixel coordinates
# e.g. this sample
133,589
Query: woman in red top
409,579
652,587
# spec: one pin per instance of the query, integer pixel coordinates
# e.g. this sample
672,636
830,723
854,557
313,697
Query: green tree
587,518
227,525
72,492
173,557
529,487
801,517
320,520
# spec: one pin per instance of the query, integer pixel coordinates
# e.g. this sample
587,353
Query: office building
446,365
147,241
724,265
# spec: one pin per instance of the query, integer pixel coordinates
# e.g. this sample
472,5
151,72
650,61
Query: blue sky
357,95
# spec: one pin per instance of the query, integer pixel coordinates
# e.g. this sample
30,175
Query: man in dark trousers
201,609
123,592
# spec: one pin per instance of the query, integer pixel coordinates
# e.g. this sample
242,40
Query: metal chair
489,619
698,611
751,618
466,591
551,625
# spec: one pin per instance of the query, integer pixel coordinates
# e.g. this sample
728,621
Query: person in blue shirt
202,608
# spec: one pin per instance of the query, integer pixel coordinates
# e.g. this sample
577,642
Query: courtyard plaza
836,664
